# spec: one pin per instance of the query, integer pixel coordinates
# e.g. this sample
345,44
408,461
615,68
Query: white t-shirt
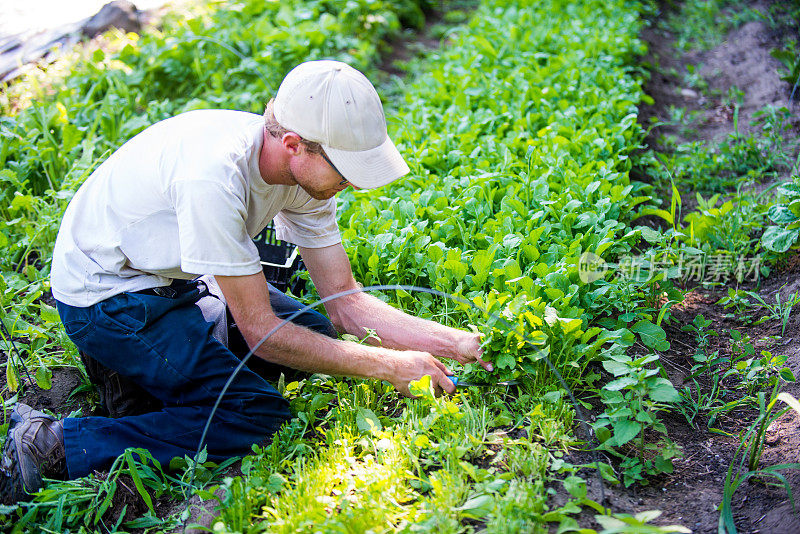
181,199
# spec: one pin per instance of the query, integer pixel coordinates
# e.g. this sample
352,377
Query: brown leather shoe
34,449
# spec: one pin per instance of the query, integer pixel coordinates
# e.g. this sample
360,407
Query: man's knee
119,395
317,322
285,306
271,410
247,421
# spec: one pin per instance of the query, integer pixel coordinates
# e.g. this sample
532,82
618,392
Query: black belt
176,289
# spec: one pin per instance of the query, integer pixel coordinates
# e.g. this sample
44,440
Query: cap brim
372,168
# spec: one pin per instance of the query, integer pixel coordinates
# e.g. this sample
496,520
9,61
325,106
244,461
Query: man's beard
318,195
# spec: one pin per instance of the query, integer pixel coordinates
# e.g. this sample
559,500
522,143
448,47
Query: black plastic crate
280,260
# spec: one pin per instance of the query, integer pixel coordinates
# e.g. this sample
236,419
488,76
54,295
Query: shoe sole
12,484
12,481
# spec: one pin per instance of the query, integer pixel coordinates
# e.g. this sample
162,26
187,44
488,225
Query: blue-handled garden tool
466,383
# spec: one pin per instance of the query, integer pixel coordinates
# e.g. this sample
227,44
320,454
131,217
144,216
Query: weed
740,306
87,503
706,367
737,159
724,383
748,454
702,24
778,310
790,58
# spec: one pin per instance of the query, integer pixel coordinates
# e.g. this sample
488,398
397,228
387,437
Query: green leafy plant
88,503
740,305
702,24
722,383
737,159
520,131
706,368
756,372
786,218
632,402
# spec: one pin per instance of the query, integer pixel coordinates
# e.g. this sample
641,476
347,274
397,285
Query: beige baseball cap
335,105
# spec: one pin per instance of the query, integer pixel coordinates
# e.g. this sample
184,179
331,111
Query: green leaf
602,433
620,383
787,374
21,202
576,486
779,239
610,524
624,431
505,361
664,392
48,313
477,507
664,465
553,396
44,377
650,235
664,214
481,264
422,387
12,379
137,480
780,214
616,368
367,421
373,261
789,190
653,336
275,483
608,473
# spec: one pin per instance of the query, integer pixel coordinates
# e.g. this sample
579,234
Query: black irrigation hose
381,287
16,351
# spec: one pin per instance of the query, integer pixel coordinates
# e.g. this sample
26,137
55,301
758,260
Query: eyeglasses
344,180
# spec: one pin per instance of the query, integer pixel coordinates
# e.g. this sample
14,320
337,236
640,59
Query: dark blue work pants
165,346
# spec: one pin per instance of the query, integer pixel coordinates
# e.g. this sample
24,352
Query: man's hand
468,350
411,365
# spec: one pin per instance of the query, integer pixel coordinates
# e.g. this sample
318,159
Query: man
184,198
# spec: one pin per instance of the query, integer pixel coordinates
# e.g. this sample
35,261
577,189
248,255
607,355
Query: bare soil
743,61
690,496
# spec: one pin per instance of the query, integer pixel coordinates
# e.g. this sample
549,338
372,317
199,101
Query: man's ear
293,143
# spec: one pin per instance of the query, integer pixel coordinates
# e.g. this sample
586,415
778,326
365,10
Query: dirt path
690,496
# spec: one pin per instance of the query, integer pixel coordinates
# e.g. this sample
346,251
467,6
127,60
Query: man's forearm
396,329
303,349
300,348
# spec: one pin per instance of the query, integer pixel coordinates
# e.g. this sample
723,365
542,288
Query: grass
738,159
702,24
